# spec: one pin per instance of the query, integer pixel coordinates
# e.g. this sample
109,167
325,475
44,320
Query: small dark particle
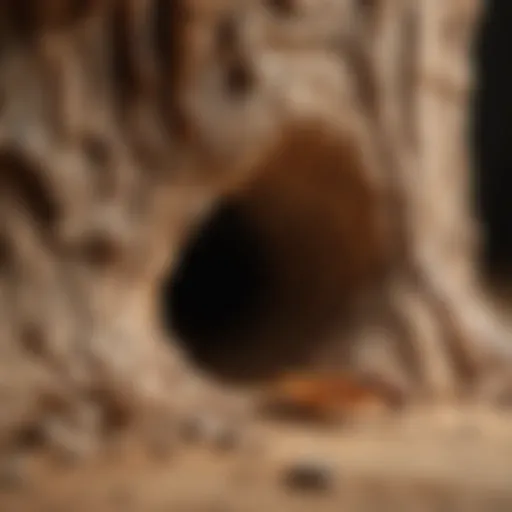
309,475
227,35
282,8
240,78
96,150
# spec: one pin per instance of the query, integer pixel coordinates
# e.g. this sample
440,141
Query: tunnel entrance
221,286
248,298
221,279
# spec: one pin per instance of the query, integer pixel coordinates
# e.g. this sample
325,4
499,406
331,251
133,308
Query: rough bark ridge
122,121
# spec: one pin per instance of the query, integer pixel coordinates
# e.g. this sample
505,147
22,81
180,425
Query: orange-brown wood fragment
331,397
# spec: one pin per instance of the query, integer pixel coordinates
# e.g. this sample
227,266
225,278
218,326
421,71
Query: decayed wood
122,121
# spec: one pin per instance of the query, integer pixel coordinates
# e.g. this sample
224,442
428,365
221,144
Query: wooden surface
425,460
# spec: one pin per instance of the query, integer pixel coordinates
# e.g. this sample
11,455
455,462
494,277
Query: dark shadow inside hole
491,139
220,287
282,8
227,35
239,78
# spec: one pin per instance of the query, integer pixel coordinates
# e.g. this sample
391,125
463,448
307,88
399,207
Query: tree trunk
335,132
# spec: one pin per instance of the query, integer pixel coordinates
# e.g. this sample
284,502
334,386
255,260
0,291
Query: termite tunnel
220,287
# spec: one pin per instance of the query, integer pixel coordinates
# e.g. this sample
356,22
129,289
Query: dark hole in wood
239,78
25,181
227,35
281,7
219,288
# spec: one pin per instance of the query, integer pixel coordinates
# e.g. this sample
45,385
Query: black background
492,131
